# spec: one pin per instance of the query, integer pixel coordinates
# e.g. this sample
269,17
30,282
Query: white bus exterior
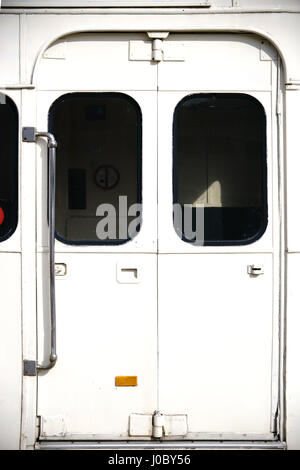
148,337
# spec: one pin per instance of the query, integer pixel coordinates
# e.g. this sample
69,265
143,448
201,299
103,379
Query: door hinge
157,45
156,49
157,425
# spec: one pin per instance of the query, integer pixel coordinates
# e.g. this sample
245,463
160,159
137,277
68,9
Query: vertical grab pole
30,135
52,145
51,222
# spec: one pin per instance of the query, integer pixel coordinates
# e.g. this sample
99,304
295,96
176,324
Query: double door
167,241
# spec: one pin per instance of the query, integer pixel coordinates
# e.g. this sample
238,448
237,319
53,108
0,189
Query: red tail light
1,215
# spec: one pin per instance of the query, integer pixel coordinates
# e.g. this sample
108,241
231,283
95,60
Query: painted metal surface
26,39
185,267
109,3
198,283
240,5
164,446
120,330
10,350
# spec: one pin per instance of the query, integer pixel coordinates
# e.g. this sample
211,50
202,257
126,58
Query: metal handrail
52,145
30,135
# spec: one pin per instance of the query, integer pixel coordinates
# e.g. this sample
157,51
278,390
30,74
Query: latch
255,270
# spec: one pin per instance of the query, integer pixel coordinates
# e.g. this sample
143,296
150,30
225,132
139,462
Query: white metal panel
42,29
175,425
97,62
10,350
140,425
292,354
9,51
28,221
274,4
259,4
215,341
235,58
108,3
105,329
254,4
292,168
215,321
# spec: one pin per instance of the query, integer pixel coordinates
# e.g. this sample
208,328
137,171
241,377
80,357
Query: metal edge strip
159,445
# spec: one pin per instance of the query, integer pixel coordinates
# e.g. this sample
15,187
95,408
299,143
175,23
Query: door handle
29,134
128,274
255,270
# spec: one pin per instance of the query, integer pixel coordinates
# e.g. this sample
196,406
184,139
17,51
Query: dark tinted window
220,163
98,164
8,167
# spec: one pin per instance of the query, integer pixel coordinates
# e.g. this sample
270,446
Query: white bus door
216,289
106,297
217,295
207,369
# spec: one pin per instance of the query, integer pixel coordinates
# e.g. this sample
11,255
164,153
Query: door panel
215,322
215,334
104,330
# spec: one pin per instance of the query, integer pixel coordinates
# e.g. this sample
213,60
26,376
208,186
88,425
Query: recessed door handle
60,269
255,270
128,275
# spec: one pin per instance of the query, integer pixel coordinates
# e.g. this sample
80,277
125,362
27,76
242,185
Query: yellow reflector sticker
126,381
